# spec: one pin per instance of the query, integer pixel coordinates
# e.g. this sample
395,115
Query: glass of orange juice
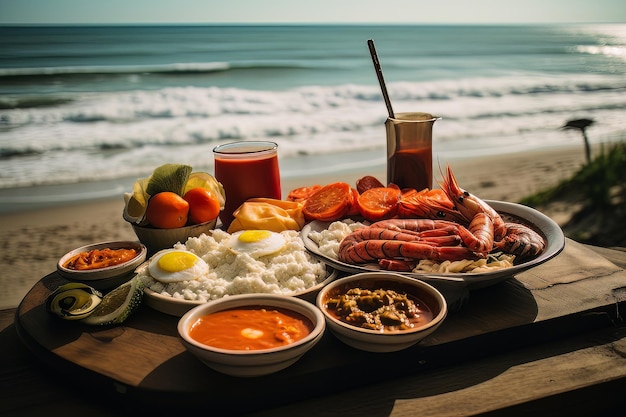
409,150
246,169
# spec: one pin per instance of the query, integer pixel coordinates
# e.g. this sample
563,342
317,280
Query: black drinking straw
379,74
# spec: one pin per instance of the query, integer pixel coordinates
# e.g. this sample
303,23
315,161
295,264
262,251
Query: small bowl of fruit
172,205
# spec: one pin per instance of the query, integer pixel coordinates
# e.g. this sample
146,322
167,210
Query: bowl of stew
251,335
381,311
104,264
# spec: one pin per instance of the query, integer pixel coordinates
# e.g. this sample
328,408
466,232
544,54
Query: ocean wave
128,133
167,69
608,50
180,68
16,153
32,101
194,115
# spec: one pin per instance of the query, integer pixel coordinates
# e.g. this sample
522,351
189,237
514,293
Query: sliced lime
117,305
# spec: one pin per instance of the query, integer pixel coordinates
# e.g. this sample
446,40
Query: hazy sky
312,11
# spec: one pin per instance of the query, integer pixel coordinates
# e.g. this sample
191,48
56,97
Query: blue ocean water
98,103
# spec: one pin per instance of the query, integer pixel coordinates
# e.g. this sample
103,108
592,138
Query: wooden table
549,339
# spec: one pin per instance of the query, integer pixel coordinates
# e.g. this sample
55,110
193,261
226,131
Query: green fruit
73,301
117,305
169,177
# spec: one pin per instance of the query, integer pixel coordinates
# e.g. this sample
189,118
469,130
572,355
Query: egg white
183,266
256,243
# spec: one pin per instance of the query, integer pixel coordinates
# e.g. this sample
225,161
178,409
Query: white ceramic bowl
108,276
374,340
251,363
157,239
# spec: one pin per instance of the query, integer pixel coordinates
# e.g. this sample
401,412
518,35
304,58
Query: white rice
291,270
328,240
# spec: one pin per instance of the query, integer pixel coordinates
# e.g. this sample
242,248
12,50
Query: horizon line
5,24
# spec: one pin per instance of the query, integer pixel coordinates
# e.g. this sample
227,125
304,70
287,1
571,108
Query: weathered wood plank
576,292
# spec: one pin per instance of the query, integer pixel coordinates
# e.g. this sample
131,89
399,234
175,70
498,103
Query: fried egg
256,243
172,265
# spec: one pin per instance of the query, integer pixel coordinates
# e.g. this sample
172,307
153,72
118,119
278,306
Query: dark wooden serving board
144,364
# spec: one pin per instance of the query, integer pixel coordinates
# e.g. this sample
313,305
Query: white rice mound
328,240
291,270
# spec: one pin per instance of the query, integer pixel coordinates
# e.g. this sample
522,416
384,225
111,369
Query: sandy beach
33,241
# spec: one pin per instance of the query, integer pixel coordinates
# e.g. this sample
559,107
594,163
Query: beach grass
598,190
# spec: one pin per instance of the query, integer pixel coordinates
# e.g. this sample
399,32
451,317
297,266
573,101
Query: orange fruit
167,210
302,193
354,204
204,206
379,203
329,203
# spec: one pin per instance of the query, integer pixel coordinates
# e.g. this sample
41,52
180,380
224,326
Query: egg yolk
250,236
176,261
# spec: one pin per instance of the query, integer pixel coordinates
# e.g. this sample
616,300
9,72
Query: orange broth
250,328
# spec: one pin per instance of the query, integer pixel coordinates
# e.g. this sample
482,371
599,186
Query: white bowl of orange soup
251,334
381,311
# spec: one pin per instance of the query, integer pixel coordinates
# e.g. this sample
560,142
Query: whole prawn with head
485,224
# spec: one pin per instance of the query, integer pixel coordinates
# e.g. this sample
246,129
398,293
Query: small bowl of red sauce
381,311
251,335
104,264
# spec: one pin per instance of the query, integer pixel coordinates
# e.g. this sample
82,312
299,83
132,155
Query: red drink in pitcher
246,170
411,168
410,150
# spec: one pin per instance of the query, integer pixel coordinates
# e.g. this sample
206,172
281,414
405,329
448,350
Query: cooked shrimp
469,205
